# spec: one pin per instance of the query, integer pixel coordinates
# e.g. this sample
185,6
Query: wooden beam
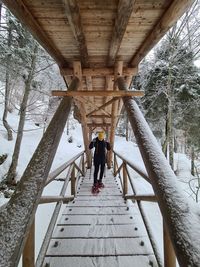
74,18
91,104
20,10
125,8
97,72
51,199
98,124
102,106
102,116
150,198
134,93
171,15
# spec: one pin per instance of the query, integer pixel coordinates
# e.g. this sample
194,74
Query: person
100,146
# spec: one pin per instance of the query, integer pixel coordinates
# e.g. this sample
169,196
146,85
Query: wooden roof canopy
97,41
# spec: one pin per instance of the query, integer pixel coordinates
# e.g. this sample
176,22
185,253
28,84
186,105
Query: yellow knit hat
101,135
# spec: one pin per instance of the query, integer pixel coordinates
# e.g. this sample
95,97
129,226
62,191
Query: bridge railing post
73,181
28,258
115,164
83,164
125,179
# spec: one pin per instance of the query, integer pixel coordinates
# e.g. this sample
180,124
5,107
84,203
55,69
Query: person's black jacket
100,150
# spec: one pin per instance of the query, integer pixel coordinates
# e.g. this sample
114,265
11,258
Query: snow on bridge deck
102,230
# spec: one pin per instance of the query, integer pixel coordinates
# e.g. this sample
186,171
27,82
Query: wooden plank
133,93
125,8
98,210
98,72
110,261
99,231
105,247
97,204
20,10
166,21
74,18
98,219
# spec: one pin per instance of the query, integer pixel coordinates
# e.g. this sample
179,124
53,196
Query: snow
129,150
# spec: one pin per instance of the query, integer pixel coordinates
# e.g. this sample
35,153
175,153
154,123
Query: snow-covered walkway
102,230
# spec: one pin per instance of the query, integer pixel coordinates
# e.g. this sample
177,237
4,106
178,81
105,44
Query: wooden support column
73,181
17,217
169,255
83,164
118,73
175,209
28,259
115,164
125,180
78,73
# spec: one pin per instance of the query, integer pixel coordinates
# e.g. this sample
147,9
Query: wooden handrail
60,169
134,167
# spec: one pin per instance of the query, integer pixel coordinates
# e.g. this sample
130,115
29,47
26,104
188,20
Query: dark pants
96,170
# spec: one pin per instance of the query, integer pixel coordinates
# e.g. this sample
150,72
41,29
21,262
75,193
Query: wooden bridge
103,230
98,46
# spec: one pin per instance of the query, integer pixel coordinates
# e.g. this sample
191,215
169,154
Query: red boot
101,185
95,189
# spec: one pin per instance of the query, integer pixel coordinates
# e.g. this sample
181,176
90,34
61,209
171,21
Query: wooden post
169,255
78,73
173,205
28,259
118,73
115,164
125,180
24,200
73,181
83,164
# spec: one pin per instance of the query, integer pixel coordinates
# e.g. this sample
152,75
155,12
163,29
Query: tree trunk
0,11
165,143
172,202
170,120
12,170
192,161
7,86
18,215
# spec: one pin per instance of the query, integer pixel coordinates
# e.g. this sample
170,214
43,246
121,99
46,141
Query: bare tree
7,84
11,176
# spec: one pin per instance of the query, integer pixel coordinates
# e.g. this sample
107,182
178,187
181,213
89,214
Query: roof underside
98,34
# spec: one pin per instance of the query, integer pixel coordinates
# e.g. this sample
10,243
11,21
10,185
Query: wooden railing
121,168
72,169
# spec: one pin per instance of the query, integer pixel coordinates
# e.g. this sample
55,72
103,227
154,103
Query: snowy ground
65,151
